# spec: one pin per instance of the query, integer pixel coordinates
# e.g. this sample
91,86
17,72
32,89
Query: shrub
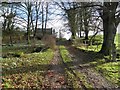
49,41
13,54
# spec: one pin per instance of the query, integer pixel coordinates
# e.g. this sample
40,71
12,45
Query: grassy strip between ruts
71,78
26,71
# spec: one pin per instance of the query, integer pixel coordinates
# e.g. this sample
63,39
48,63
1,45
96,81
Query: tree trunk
105,48
46,16
36,21
4,23
28,22
33,29
72,21
11,43
80,33
28,29
81,28
85,18
86,34
42,20
73,35
108,40
35,26
109,26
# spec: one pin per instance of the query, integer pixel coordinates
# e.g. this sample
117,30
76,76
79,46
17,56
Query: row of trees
97,16
81,16
25,14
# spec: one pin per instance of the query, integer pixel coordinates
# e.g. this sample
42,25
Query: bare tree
70,10
28,4
46,18
25,8
111,19
42,18
37,9
8,23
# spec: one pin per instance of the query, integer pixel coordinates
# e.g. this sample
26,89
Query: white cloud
57,23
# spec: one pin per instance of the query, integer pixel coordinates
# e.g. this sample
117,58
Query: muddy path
80,58
55,76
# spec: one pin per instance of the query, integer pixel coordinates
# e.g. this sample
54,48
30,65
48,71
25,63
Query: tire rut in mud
98,82
55,76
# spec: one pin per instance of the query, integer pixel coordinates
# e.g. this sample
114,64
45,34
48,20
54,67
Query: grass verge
111,71
26,71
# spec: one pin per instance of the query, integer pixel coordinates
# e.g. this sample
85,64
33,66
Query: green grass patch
94,48
84,79
97,39
72,80
110,71
97,62
65,54
75,81
26,71
20,48
96,43
15,50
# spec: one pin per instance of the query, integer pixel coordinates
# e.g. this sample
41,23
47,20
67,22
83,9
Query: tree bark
109,28
36,9
85,18
28,30
86,34
42,19
46,16
28,22
72,21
